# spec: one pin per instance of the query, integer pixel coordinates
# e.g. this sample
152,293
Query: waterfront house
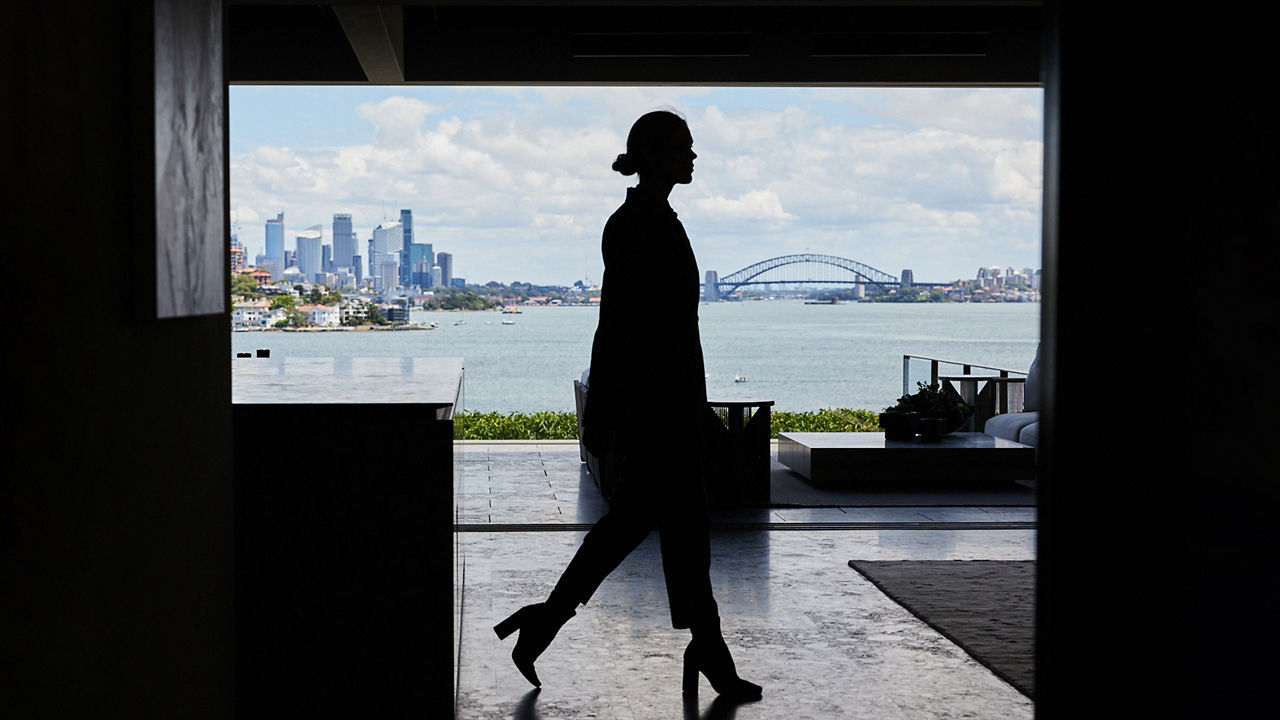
322,315
245,317
260,276
249,314
351,310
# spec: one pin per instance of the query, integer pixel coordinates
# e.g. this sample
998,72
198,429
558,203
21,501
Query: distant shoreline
339,328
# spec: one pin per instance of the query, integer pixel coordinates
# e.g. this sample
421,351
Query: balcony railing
1001,391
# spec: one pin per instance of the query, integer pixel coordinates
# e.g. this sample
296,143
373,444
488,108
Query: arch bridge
805,269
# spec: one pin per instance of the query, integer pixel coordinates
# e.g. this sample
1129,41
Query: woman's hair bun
625,164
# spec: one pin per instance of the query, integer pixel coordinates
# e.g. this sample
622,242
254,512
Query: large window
508,187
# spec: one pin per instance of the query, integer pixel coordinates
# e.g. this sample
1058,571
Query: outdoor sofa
599,467
1022,426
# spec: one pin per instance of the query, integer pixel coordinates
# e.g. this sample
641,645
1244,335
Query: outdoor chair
599,467
735,461
1010,407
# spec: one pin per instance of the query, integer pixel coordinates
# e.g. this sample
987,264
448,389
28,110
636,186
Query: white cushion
1009,425
1030,435
1031,388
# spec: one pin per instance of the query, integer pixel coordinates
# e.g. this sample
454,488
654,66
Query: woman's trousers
668,497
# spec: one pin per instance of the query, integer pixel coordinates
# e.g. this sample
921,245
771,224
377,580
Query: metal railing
1003,393
966,369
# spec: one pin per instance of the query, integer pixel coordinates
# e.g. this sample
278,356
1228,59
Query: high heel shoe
713,660
538,625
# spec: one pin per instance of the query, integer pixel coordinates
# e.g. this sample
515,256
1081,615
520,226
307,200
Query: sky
515,182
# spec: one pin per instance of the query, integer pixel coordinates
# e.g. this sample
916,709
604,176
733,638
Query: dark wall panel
117,510
288,44
190,121
750,44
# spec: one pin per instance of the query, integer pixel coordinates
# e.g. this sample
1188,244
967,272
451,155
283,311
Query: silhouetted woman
646,377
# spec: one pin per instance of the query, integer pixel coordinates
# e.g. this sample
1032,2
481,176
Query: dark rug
987,607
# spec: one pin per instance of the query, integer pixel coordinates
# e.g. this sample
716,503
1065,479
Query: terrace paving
822,640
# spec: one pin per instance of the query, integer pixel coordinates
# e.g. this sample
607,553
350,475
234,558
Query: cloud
397,120
275,157
244,214
753,205
979,112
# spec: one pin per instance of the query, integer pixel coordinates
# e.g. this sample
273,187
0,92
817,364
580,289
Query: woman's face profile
675,158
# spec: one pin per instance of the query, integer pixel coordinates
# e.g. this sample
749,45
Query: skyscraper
344,240
422,275
386,246
310,254
406,257
445,261
386,238
237,254
275,245
417,257
385,273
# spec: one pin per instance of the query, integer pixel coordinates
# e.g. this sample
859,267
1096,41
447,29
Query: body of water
804,357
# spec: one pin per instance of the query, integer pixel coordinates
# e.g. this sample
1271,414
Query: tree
288,302
456,299
244,284
297,319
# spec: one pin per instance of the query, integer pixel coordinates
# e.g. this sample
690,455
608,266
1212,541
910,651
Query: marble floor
823,641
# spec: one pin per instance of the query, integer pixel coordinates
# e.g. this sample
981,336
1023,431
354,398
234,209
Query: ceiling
618,42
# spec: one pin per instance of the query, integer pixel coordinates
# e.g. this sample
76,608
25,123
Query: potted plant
899,424
932,411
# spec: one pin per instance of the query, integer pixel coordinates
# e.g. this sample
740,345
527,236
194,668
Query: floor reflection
720,709
528,707
822,641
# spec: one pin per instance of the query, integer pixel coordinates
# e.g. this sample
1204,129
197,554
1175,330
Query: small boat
508,322
461,322
739,378
511,310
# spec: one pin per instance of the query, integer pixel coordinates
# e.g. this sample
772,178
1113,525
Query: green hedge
516,426
829,420
564,425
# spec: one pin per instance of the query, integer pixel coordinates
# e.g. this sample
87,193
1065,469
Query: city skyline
515,181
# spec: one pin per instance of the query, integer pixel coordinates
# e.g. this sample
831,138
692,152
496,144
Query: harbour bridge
807,269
